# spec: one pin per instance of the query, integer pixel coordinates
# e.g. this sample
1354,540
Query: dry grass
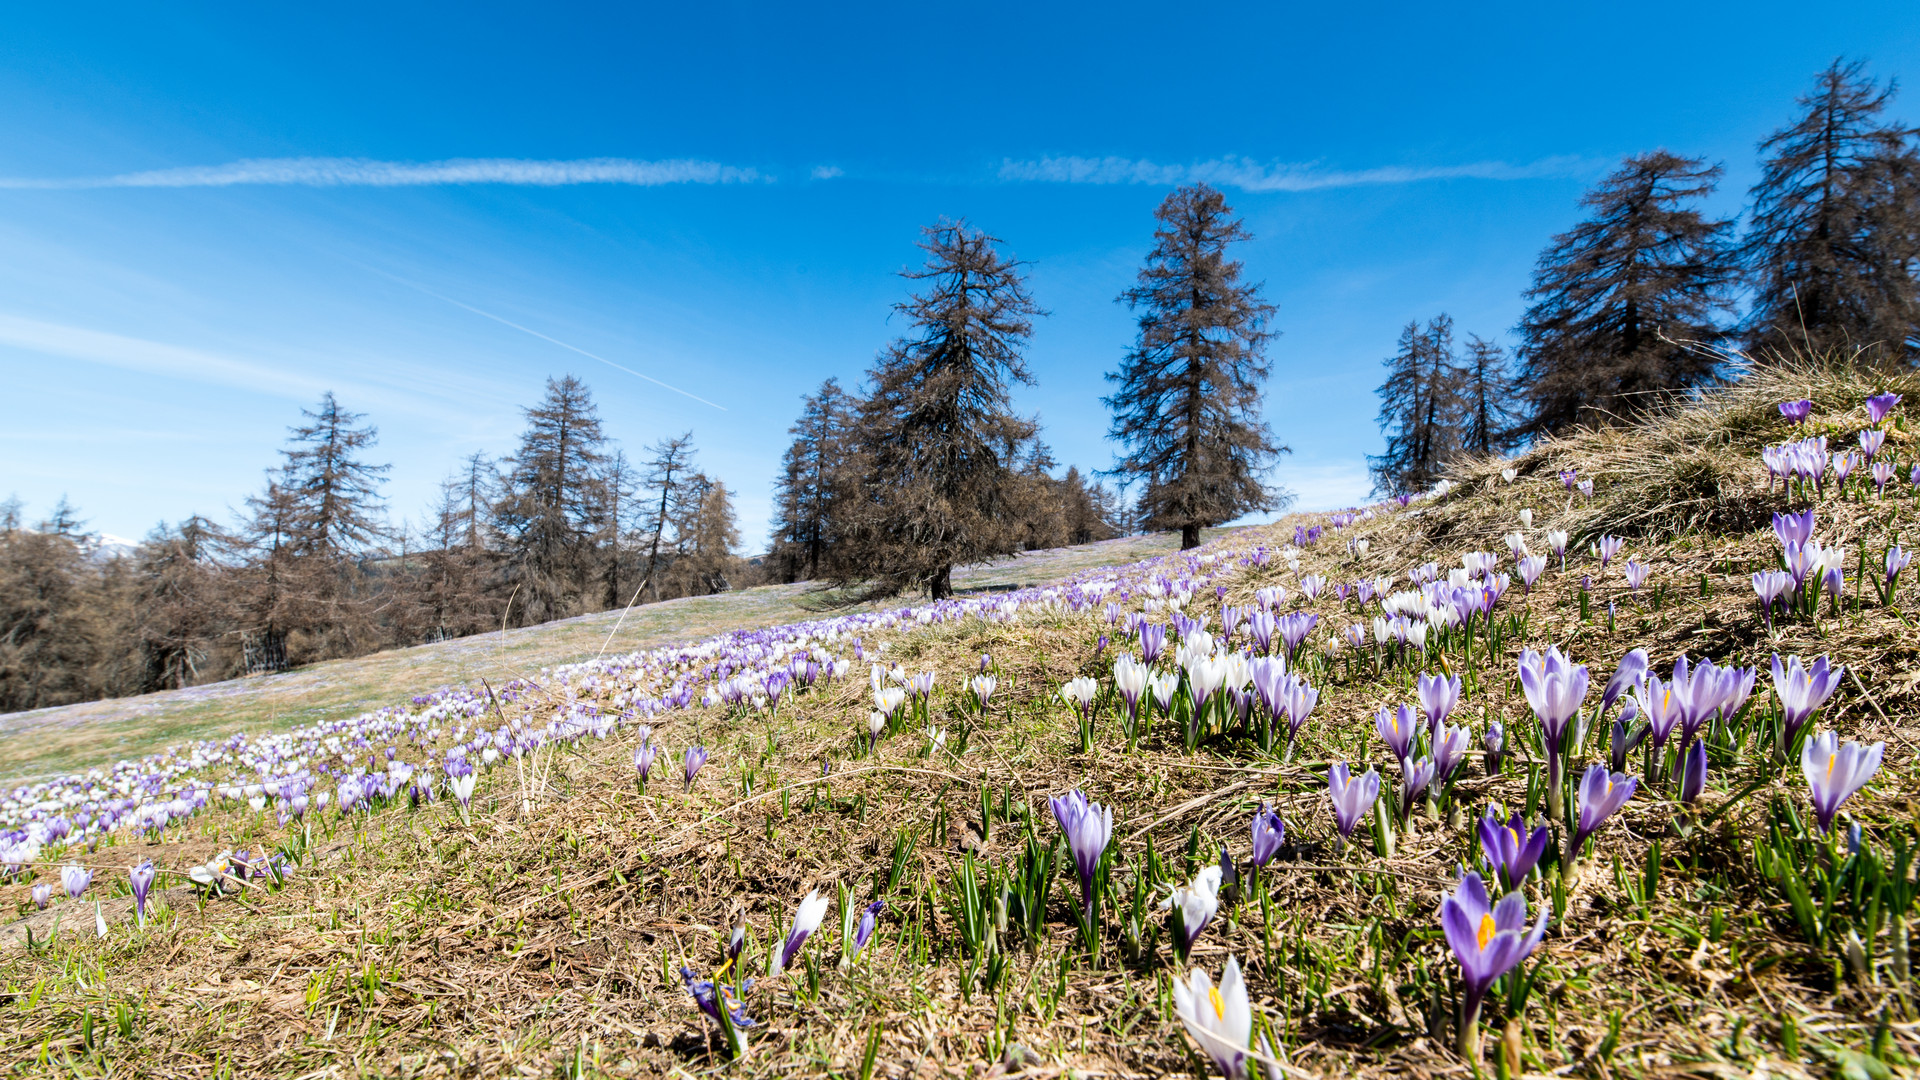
547,942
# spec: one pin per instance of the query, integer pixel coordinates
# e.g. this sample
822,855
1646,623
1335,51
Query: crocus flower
1609,547
1871,441
1586,488
1510,849
1531,567
1834,772
1601,793
1489,940
643,756
1130,678
1879,405
1494,742
1796,412
1397,729
1153,641
1352,796
1626,735
805,921
75,880
1632,669
141,878
1567,478
869,920
42,894
1662,707
1897,560
983,687
1693,772
1220,1020
1802,689
1415,775
1297,698
712,998
1162,684
1557,540
1450,750
1793,528
1087,826
1269,832
693,762
1191,907
1636,573
1438,696
1555,688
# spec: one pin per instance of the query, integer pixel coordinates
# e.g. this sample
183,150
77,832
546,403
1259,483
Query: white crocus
1219,1018
1526,519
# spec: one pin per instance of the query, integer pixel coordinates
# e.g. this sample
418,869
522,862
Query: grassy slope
545,941
78,737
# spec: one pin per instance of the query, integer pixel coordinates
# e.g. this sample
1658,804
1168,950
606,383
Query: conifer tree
1832,249
814,476
1485,395
1624,304
938,438
1187,403
663,499
1421,410
554,501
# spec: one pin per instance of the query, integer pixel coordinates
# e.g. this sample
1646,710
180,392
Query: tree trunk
940,585
1189,537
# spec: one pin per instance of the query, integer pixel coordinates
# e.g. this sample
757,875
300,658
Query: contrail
552,340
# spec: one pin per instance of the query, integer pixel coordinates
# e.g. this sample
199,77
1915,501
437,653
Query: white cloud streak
152,357
363,172
1248,175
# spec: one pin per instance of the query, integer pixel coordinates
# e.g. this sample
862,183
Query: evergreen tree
663,491
937,434
554,502
1485,395
1421,410
1187,407
706,537
182,611
814,475
1623,305
1833,245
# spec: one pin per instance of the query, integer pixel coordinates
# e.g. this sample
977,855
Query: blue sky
210,215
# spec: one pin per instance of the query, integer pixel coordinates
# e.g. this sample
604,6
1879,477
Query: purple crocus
1269,832
712,998
1489,940
1352,796
1397,729
643,756
1494,742
695,760
42,895
806,919
1627,734
141,878
1294,628
1693,772
1663,707
1609,547
1793,528
1879,405
869,920
1796,412
1153,641
1297,698
1510,849
1438,696
1802,689
1087,826
1555,687
1632,669
1601,793
75,879
1835,771
1415,776
1450,750
1636,574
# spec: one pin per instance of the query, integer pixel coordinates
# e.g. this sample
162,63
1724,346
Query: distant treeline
1649,297
887,490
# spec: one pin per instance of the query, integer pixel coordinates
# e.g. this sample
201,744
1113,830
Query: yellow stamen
1487,930
1219,1007
1516,835
1831,758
